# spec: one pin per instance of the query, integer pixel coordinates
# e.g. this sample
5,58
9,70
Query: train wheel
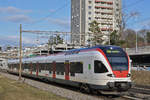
85,88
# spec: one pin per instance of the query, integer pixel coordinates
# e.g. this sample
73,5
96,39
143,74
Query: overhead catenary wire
132,4
51,14
46,18
139,22
126,10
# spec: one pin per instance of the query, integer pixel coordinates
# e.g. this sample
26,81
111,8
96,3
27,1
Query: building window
90,2
89,13
90,7
117,9
103,2
117,15
89,29
117,4
77,25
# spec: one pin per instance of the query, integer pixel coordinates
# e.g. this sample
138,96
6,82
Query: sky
53,15
141,7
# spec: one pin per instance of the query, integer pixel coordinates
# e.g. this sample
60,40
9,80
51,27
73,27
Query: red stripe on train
54,76
31,72
37,72
120,74
67,77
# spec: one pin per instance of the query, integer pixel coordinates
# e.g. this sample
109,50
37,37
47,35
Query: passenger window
60,67
76,67
99,67
34,67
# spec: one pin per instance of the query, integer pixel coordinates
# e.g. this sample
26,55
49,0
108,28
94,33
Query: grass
141,77
13,90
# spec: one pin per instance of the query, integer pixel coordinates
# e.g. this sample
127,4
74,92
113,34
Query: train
3,64
99,68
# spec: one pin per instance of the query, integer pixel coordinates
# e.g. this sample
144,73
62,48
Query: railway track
139,92
141,89
58,89
136,93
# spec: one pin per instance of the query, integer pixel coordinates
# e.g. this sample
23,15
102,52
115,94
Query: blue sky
142,20
53,15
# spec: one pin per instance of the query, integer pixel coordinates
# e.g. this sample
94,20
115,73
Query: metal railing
140,50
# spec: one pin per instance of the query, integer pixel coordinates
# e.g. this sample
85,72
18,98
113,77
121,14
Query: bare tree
125,19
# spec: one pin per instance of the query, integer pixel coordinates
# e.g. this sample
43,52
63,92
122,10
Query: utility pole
136,48
20,60
109,35
66,42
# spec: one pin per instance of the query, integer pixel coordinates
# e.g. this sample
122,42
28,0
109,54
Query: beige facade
106,12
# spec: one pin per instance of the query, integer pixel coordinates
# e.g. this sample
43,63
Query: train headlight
129,75
111,75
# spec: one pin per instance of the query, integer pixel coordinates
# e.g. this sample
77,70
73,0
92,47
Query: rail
138,92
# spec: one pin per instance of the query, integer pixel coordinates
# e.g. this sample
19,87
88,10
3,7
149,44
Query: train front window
118,63
117,59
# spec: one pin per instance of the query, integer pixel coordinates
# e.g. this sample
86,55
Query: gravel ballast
70,94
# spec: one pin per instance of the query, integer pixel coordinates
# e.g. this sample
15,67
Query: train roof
98,46
65,53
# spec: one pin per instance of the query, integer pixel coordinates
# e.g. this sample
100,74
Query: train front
118,65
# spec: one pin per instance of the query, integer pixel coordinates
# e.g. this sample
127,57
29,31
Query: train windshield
117,58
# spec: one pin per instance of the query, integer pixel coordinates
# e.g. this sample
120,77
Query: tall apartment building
106,12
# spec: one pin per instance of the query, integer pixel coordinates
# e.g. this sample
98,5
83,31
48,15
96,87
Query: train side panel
74,68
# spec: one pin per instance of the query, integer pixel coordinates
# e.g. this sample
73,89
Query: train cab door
37,69
67,70
88,68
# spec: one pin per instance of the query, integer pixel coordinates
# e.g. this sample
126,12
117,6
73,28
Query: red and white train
104,68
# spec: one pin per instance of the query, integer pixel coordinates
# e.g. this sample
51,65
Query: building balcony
106,29
104,18
106,23
104,7
104,10
103,13
104,2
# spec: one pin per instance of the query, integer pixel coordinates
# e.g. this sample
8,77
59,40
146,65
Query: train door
88,68
37,69
54,69
31,68
67,70
11,68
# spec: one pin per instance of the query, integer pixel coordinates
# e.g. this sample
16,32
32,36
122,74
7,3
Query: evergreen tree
58,40
148,37
95,33
115,39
